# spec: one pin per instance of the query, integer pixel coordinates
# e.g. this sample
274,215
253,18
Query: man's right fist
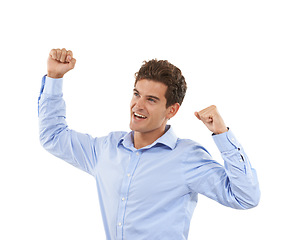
59,62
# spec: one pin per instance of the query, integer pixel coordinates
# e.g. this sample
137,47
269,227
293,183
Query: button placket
126,182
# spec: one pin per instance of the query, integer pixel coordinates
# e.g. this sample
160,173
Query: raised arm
235,184
75,148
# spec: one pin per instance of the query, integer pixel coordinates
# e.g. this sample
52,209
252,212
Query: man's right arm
75,148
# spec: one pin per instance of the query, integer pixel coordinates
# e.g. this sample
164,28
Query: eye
151,100
136,94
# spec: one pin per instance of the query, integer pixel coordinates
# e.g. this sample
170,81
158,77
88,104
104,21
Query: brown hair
168,74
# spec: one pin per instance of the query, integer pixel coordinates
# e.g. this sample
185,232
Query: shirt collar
168,139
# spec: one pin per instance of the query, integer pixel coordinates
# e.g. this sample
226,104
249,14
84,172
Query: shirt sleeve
234,185
75,148
53,86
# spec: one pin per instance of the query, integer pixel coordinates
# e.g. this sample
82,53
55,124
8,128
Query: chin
140,129
134,128
138,126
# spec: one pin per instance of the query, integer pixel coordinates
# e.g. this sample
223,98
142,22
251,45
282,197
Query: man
148,179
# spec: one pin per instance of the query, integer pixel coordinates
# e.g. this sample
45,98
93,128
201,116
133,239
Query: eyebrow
148,96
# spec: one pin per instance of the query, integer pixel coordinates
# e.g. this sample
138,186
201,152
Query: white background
237,55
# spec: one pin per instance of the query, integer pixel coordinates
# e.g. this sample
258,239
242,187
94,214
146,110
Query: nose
140,103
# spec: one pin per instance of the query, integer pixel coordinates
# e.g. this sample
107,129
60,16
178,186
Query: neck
144,139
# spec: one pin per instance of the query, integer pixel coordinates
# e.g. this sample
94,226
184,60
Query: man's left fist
212,119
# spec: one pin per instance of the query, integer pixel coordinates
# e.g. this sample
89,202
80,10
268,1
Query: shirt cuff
53,86
226,141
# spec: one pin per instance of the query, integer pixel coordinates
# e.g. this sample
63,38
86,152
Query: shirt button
122,198
137,153
119,224
129,174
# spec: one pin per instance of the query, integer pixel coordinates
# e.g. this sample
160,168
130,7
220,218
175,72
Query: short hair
168,74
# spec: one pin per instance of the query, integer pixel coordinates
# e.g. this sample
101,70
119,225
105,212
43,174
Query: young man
148,179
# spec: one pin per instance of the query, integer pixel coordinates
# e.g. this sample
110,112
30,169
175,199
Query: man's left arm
242,177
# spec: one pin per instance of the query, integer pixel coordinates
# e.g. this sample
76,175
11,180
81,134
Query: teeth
138,115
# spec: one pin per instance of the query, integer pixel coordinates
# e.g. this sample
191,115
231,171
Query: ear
172,110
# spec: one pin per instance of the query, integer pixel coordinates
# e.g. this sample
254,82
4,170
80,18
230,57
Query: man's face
148,107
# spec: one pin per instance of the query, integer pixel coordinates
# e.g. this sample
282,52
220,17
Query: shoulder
111,138
117,135
192,150
188,144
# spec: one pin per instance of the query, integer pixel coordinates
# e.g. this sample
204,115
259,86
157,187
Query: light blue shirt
148,193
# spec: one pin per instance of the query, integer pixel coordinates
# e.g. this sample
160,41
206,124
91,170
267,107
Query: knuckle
53,53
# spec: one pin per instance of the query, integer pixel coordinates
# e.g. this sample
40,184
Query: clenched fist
212,119
60,62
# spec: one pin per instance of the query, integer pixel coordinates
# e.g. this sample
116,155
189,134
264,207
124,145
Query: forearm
51,113
243,183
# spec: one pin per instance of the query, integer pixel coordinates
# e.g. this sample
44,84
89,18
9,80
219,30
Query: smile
137,115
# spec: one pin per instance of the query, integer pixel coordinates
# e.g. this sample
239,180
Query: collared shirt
148,193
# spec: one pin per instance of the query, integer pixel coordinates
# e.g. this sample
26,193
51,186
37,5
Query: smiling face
149,114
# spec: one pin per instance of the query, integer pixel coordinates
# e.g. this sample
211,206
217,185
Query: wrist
55,75
220,131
